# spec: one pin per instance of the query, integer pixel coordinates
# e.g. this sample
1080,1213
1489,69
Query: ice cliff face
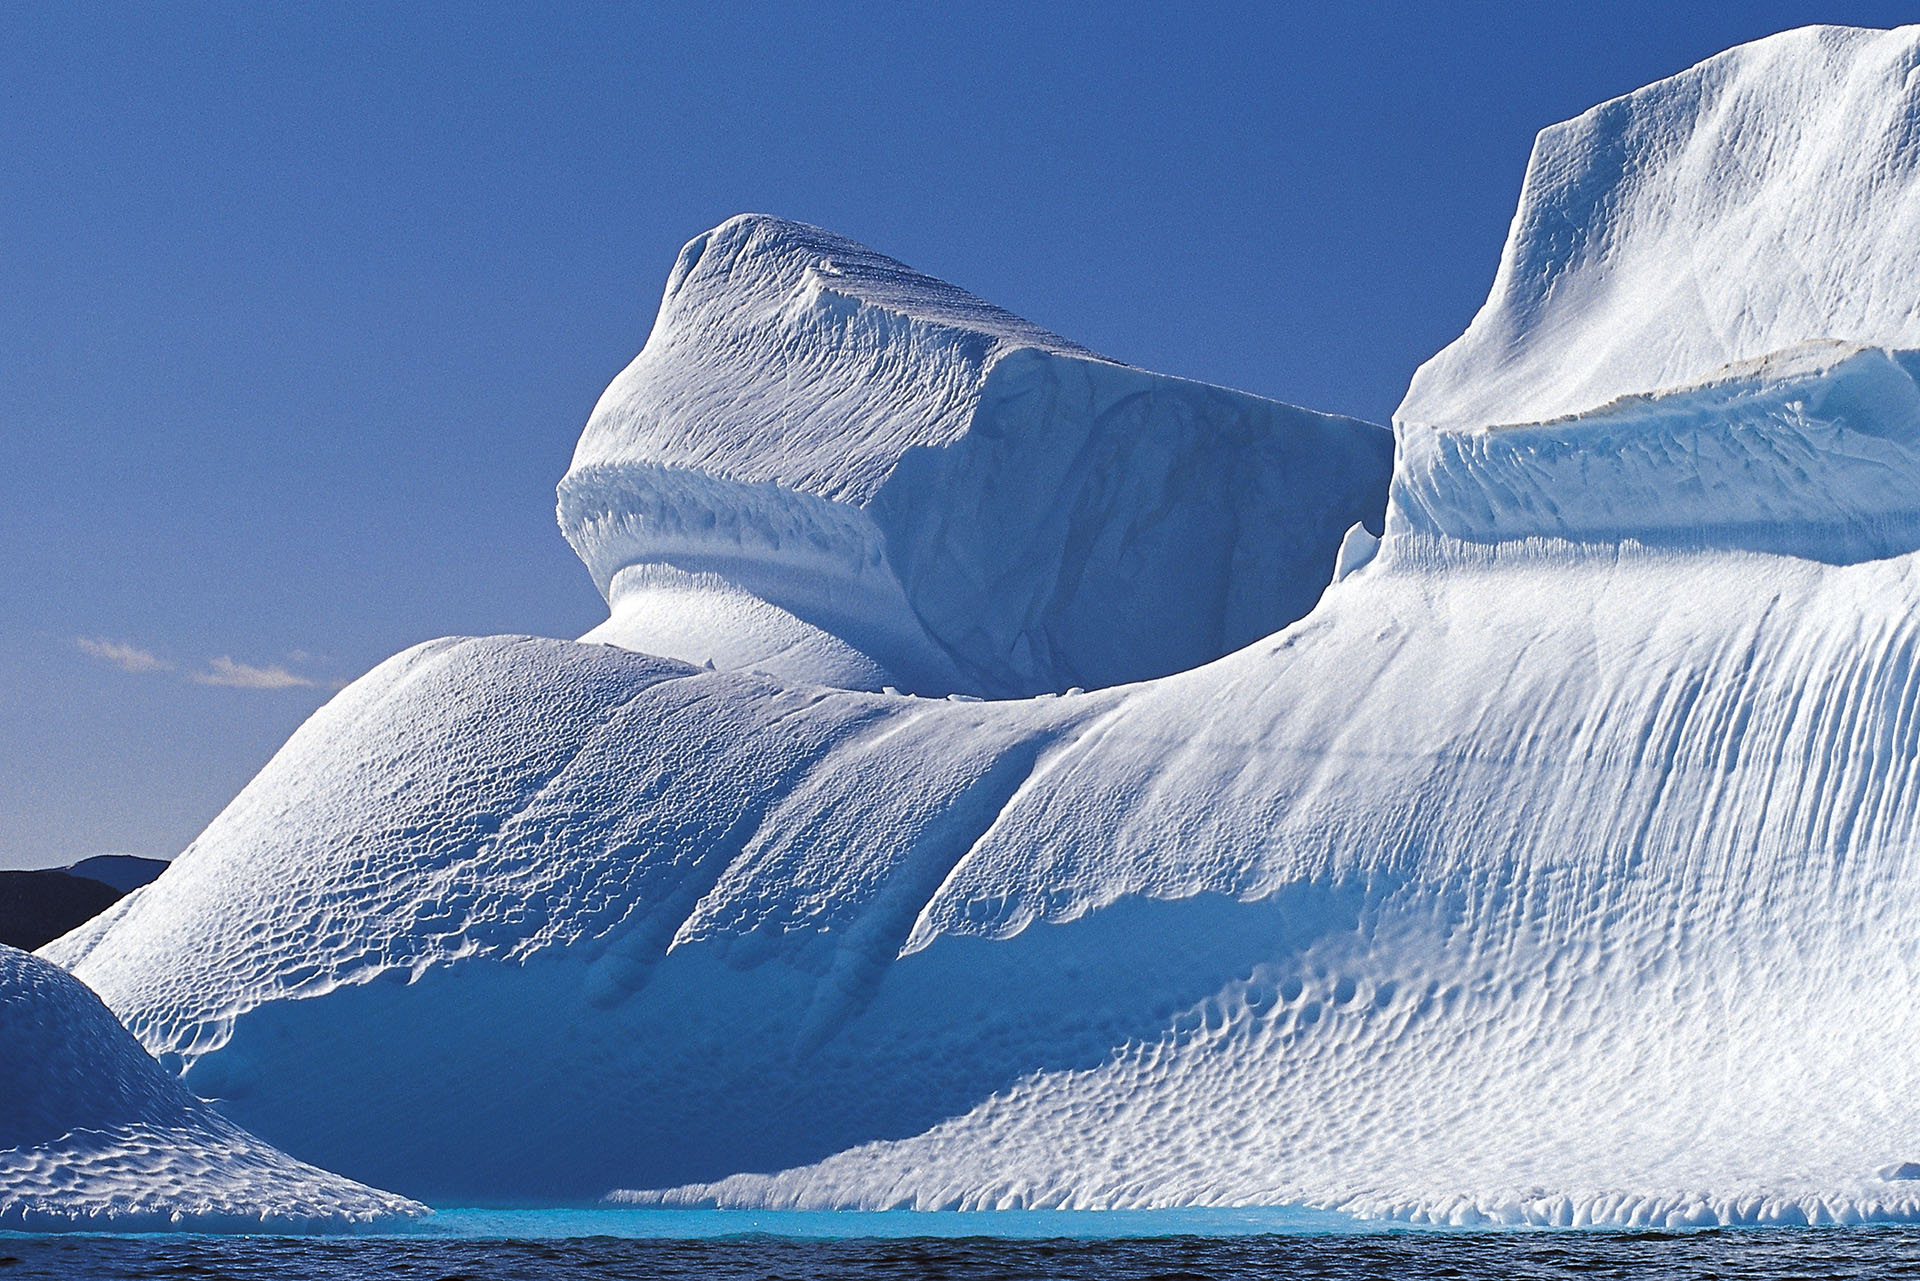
1557,867
1769,196
830,467
95,1136
1813,451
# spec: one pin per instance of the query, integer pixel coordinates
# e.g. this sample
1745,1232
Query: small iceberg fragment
96,1136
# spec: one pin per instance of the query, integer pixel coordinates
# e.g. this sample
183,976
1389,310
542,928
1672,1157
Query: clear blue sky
304,306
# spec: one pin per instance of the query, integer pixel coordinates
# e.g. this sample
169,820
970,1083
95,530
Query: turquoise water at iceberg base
1105,1245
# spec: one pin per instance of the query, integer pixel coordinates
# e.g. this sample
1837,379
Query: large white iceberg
95,1136
1557,867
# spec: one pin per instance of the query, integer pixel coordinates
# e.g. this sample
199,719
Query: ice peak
1763,198
752,255
828,465
783,352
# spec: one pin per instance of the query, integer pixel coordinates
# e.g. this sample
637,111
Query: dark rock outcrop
38,907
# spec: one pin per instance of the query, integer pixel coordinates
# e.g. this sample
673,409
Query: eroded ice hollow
830,467
94,1136
1559,866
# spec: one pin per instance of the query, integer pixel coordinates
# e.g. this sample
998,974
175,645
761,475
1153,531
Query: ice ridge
1812,451
831,467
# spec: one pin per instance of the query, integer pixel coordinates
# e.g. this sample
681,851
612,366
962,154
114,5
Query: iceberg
95,1136
1547,859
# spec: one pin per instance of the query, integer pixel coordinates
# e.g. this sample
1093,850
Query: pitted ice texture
95,1136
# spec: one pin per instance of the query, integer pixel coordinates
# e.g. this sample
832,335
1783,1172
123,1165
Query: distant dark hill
125,872
38,907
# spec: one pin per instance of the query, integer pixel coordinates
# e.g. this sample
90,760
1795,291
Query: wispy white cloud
128,658
224,671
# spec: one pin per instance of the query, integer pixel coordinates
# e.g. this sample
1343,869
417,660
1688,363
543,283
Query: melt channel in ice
95,1136
1557,867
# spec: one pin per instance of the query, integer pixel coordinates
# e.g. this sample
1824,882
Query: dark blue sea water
1506,1257
1180,1246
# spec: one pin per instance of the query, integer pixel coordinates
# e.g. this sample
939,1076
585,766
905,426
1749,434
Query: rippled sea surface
463,1245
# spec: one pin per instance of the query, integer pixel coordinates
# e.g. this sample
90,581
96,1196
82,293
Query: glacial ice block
1767,197
829,466
1564,890
95,1136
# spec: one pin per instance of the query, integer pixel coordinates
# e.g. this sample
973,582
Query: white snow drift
1558,867
94,1135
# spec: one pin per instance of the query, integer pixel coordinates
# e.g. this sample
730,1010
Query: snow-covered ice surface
1557,867
1767,197
94,1136
830,467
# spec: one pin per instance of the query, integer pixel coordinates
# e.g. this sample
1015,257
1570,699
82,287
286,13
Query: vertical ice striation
1813,451
1767,197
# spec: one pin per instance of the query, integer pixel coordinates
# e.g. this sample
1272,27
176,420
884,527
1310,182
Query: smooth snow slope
1767,197
1556,868
830,467
94,1136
